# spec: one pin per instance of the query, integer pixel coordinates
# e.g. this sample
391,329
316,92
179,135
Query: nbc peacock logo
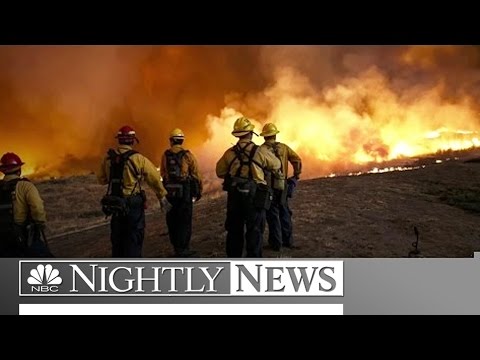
44,279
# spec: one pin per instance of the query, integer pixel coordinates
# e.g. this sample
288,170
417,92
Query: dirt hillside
371,215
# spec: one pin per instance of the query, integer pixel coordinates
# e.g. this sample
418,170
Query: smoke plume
338,106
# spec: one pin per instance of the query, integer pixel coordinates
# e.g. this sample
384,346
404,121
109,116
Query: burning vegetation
342,108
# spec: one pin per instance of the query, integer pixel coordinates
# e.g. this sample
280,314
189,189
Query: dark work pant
128,231
9,243
242,215
179,222
11,249
279,219
22,241
12,240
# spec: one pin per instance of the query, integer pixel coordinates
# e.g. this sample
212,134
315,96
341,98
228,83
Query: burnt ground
370,215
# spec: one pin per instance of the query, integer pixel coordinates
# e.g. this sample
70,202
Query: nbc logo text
44,279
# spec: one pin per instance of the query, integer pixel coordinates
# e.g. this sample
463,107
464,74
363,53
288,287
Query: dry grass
364,216
74,203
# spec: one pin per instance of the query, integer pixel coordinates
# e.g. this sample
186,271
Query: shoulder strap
253,152
233,160
277,153
238,155
238,152
120,160
136,172
126,156
176,157
112,154
7,191
181,155
11,185
275,149
168,154
113,157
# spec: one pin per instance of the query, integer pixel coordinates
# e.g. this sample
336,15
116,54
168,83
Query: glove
293,181
291,185
165,205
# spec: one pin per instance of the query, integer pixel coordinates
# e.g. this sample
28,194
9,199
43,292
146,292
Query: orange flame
60,106
358,121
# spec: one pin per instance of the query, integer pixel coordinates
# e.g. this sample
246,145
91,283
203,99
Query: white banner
181,309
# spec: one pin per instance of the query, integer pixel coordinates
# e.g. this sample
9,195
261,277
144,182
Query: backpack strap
113,157
239,151
12,184
274,147
238,155
276,151
116,159
7,190
177,157
182,154
253,152
127,157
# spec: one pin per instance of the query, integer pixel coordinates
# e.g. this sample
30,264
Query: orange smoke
339,107
60,106
358,121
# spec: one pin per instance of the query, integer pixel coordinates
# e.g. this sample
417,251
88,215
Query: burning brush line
338,107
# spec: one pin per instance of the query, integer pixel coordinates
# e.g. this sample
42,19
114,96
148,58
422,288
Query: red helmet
10,162
127,135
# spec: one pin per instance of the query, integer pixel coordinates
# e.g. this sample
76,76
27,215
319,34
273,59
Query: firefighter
180,171
279,216
22,214
124,170
243,168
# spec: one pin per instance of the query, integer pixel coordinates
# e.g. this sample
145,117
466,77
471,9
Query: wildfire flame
333,133
340,108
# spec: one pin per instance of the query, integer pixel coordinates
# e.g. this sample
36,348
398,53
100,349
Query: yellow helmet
269,130
242,127
177,134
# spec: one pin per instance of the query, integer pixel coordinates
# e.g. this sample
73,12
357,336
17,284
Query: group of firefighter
255,178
